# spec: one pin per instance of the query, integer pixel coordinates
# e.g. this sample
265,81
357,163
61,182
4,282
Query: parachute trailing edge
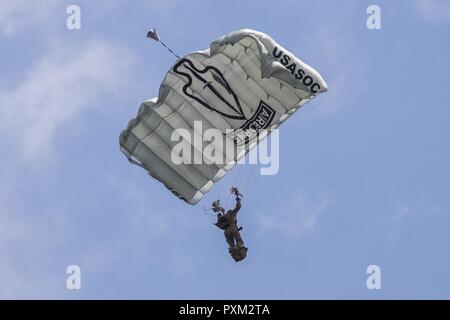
243,84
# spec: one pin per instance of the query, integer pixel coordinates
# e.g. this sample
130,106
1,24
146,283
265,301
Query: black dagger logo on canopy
221,98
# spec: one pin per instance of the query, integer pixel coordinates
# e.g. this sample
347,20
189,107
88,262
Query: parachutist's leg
229,237
237,236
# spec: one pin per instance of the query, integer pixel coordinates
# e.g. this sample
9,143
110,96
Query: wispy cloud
415,210
433,11
344,67
17,15
148,233
298,217
65,81
61,86
336,55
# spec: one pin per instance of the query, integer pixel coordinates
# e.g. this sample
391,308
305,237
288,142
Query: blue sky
364,169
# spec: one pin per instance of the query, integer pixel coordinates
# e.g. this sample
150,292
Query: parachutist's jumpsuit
228,223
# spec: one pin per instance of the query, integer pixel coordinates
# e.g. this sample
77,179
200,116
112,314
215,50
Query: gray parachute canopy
244,85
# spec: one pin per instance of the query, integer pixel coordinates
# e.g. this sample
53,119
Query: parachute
243,86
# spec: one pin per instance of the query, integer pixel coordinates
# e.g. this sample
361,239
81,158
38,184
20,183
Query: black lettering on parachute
296,71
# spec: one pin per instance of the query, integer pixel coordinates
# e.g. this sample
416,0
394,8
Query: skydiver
228,222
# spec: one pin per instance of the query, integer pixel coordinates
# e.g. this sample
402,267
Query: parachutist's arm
238,206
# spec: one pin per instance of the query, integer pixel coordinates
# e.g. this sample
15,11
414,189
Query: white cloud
62,85
337,56
17,15
405,213
148,234
344,67
400,213
56,90
417,209
433,11
298,218
36,240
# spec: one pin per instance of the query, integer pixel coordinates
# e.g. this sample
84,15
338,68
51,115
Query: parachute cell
243,84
